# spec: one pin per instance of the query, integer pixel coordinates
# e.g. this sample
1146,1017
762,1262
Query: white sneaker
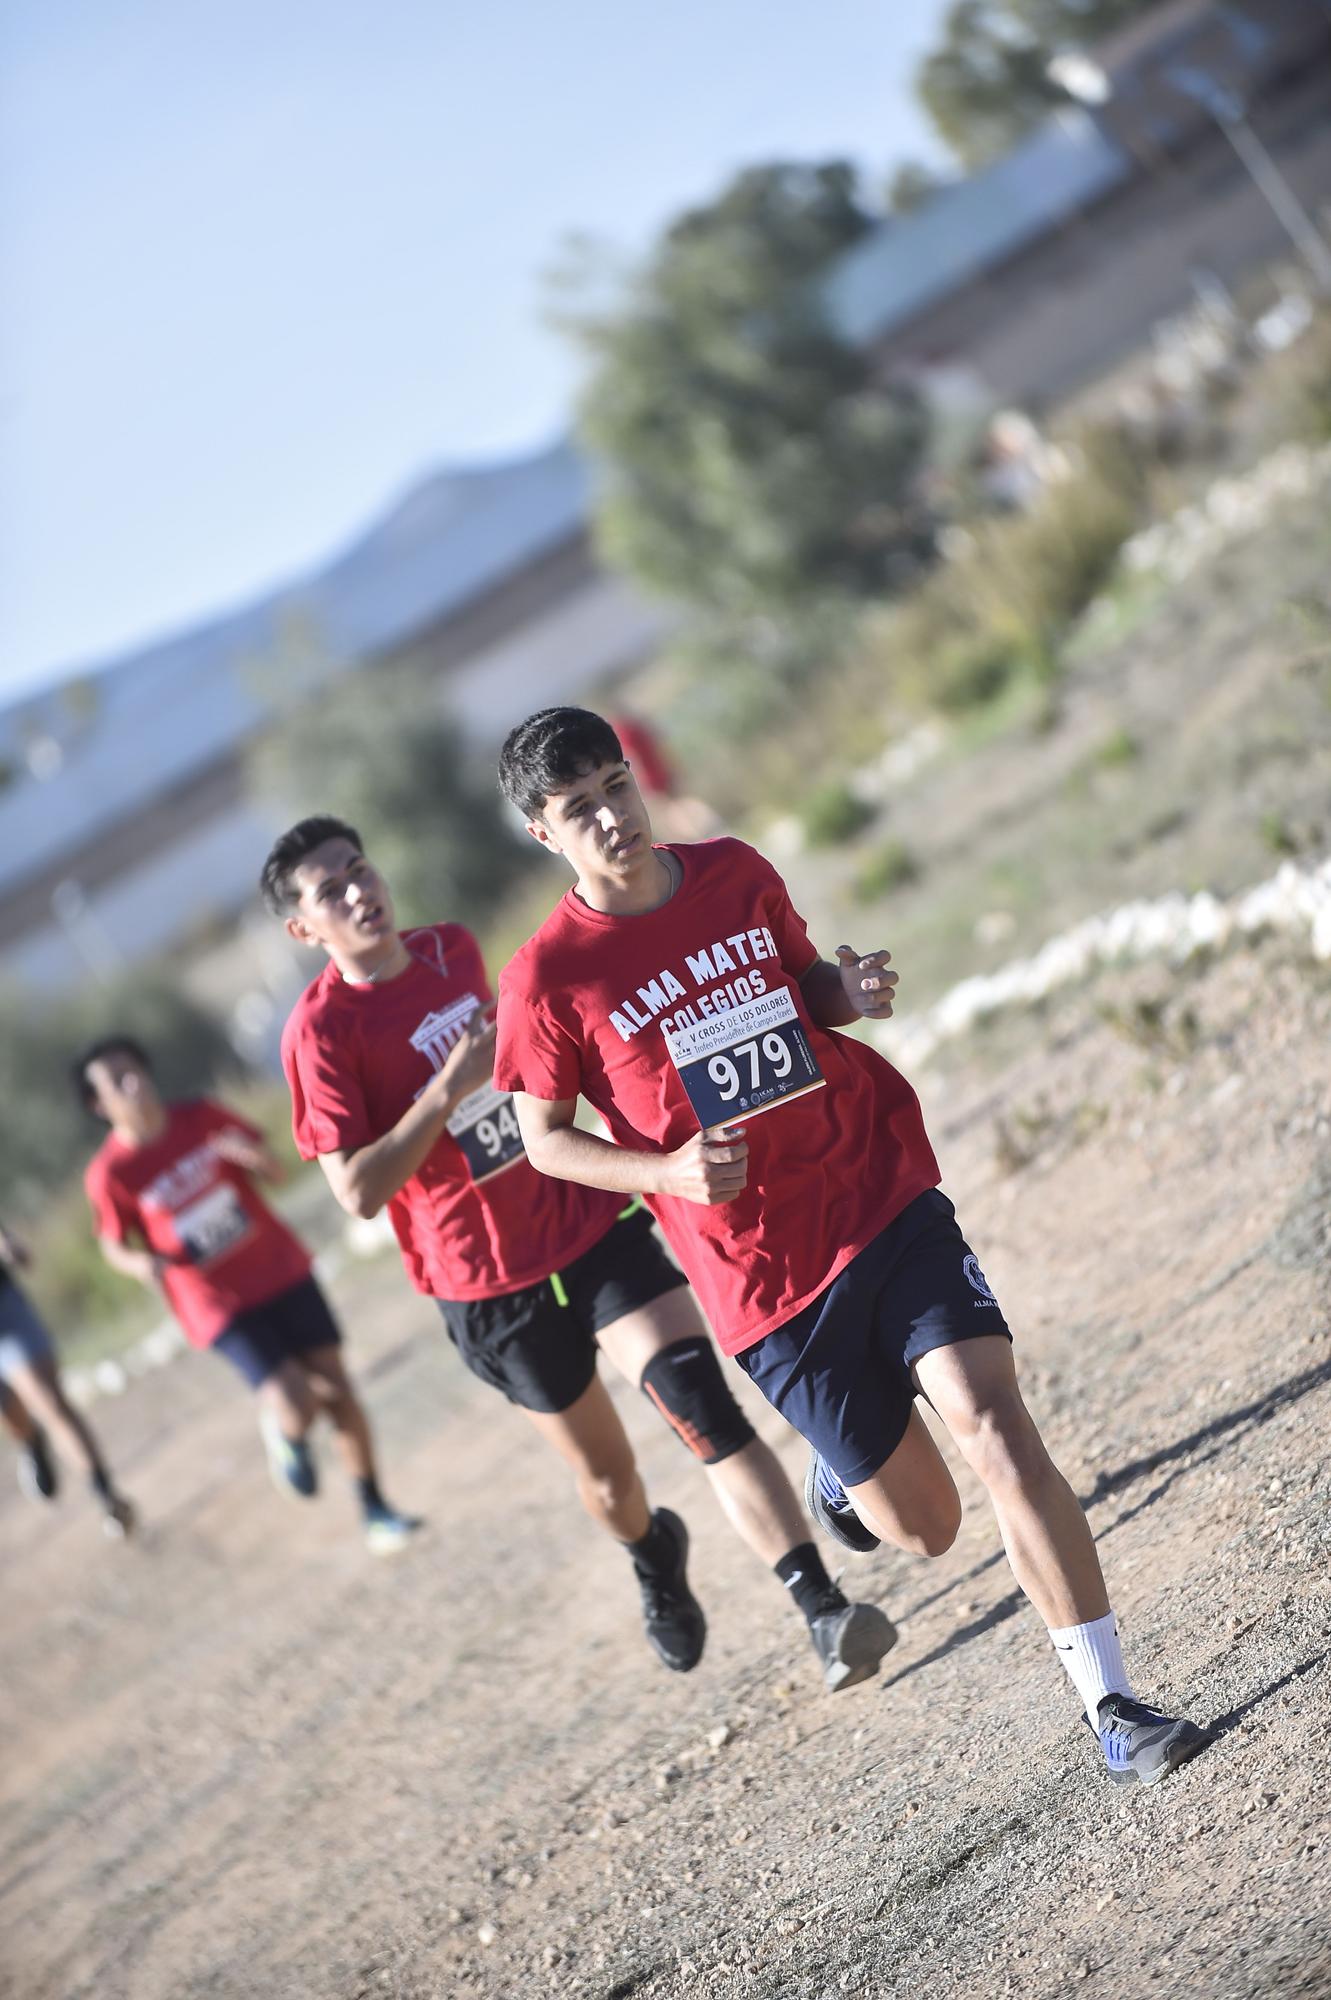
387,1531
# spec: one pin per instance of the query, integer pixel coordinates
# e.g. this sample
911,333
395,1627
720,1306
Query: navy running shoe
1142,1747
37,1475
290,1460
825,1498
671,1615
850,1640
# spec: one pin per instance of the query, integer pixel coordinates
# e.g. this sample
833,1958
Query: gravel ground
245,1759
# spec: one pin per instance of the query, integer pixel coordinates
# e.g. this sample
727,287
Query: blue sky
266,261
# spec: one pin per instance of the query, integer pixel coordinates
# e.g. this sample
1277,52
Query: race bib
211,1225
485,1125
746,1060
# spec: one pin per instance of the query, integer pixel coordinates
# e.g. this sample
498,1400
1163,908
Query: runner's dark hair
105,1045
550,751
291,848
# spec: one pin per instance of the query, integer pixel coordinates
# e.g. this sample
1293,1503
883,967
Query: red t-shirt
188,1203
593,1005
475,1220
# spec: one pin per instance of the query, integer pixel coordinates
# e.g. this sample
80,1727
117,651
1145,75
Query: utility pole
1228,111
1084,79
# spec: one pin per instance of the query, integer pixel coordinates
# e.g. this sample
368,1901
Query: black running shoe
1142,1747
850,1640
672,1616
37,1475
825,1498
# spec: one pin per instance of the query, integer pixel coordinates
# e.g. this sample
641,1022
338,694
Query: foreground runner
676,989
173,1198
34,1407
389,1055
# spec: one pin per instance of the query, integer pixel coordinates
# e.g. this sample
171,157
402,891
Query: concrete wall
1075,304
192,856
597,631
199,877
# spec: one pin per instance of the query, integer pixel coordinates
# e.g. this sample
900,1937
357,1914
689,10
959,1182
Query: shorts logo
977,1281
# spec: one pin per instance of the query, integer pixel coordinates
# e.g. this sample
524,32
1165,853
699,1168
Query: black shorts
258,1340
539,1345
839,1371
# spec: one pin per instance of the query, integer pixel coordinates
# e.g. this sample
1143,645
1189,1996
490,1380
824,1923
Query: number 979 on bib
746,1060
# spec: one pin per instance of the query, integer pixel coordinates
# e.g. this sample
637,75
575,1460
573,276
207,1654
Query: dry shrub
1003,603
832,814
1304,394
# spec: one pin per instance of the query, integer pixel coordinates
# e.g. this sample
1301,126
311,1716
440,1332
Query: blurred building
124,816
123,807
1044,271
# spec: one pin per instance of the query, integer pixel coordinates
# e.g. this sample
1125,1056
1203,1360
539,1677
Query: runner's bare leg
590,1439
973,1386
337,1400
15,1417
39,1388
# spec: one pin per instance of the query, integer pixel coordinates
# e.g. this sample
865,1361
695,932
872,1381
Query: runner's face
343,903
600,825
123,1092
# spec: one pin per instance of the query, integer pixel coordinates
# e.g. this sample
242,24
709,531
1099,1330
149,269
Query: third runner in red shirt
175,1204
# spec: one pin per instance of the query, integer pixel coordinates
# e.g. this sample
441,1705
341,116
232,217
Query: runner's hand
709,1168
867,981
472,1061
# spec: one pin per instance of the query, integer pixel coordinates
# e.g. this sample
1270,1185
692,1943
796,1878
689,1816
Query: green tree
912,185
986,84
752,464
375,748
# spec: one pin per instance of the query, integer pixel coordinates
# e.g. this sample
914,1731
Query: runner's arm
855,988
143,1265
252,1155
365,1177
709,1168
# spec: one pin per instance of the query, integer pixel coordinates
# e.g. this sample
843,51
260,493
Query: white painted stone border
1294,902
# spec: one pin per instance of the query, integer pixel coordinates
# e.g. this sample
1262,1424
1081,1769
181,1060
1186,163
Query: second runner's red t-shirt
475,1220
584,1009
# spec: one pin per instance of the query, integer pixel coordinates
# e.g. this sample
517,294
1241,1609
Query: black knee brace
685,1383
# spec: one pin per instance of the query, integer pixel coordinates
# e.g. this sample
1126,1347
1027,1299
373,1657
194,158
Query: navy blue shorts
839,1371
24,1341
261,1338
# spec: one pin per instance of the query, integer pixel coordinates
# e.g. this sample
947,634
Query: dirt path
244,1759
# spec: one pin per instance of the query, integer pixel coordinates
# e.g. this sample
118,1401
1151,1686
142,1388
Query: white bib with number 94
485,1125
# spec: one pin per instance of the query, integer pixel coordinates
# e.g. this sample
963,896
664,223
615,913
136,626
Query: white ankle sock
1094,1660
